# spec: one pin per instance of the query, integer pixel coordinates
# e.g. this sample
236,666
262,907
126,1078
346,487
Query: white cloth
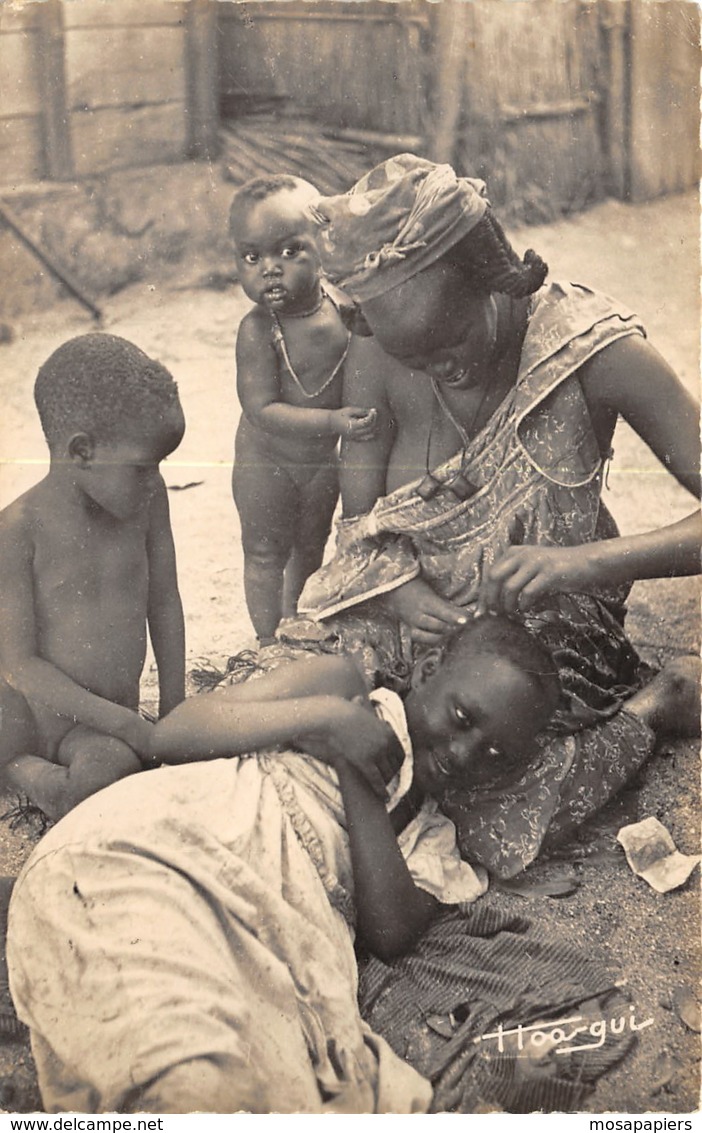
197,912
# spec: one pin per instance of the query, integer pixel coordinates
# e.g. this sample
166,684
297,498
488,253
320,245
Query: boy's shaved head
105,386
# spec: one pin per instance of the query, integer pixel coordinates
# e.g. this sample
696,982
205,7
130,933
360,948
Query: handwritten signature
558,1034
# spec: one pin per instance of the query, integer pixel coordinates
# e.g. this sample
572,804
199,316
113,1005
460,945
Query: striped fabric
472,971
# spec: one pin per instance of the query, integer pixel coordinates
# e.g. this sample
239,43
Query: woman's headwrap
397,220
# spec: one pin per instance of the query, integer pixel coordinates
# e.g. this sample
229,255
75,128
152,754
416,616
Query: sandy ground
645,255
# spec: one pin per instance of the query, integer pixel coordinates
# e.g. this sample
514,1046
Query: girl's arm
165,610
232,721
391,912
364,466
319,705
308,705
258,388
628,378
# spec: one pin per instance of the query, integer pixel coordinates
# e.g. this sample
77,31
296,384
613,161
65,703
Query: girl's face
436,324
276,254
473,718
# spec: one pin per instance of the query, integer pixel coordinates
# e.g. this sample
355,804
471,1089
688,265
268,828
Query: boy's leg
318,498
18,733
88,760
268,504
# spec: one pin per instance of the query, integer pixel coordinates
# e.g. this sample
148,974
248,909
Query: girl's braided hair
509,639
490,262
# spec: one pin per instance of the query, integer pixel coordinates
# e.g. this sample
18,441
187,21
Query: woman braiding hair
497,395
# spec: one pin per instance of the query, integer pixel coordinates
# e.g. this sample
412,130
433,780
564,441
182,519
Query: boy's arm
165,610
364,466
258,388
39,681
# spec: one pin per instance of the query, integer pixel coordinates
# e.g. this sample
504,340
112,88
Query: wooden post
614,19
55,127
449,60
202,79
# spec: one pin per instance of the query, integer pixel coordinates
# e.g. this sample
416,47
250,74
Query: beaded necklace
461,487
279,339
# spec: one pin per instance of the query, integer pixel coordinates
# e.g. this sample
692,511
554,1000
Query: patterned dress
538,473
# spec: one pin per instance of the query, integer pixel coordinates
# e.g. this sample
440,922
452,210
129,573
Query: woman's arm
628,378
258,388
363,481
165,609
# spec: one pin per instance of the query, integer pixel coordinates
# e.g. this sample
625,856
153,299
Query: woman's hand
524,574
357,737
428,615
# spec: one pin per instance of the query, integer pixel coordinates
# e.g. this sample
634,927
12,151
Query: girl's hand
428,615
355,424
358,738
524,574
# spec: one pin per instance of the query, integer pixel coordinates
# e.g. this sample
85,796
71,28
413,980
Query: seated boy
86,560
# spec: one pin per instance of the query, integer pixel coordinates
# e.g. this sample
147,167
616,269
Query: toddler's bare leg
263,588
670,704
88,761
268,503
317,503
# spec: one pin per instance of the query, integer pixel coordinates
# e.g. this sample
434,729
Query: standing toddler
290,354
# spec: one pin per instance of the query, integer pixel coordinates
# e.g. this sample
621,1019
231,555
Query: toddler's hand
356,424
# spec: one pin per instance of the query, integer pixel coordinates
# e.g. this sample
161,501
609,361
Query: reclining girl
185,939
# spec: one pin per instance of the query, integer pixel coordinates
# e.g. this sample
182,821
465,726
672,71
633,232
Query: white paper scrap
652,854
